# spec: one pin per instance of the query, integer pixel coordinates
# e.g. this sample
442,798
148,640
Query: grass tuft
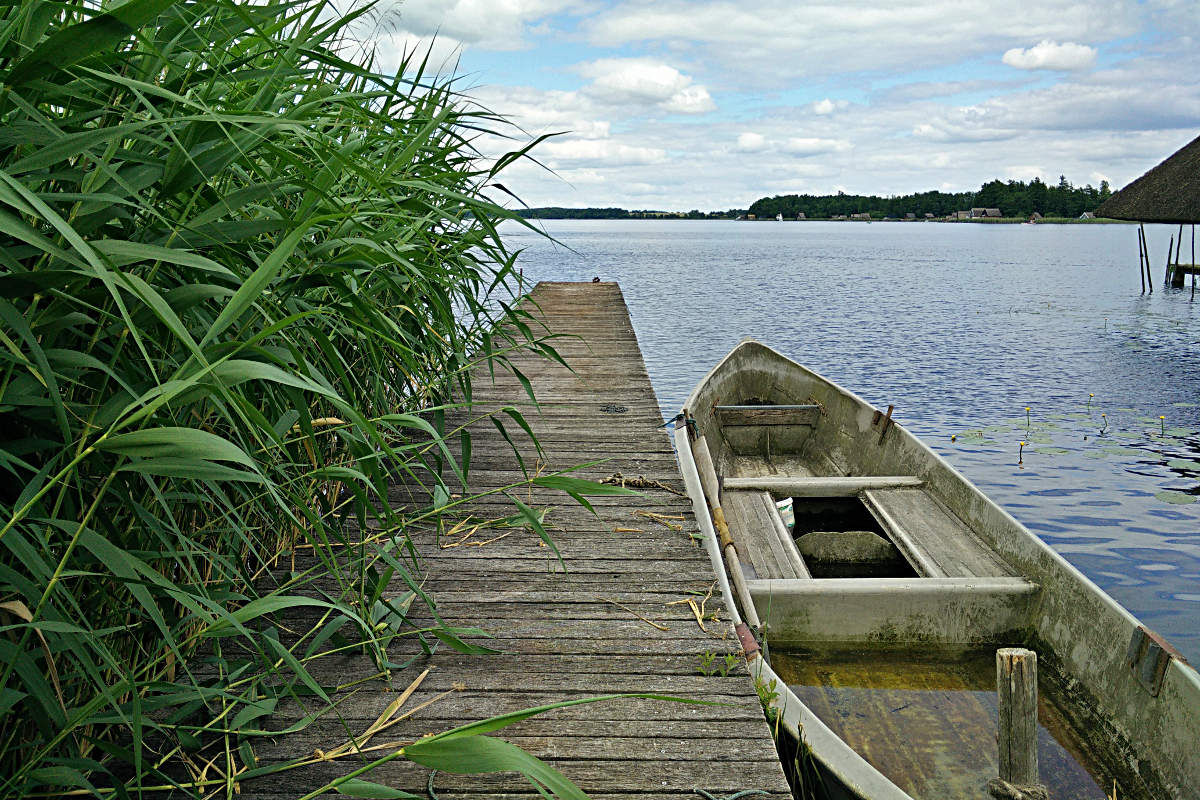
235,262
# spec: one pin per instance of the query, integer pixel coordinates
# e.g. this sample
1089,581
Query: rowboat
894,581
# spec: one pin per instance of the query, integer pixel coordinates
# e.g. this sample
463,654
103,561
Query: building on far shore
862,215
979,213
801,216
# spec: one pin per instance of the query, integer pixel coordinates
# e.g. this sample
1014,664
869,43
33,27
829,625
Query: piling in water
1016,690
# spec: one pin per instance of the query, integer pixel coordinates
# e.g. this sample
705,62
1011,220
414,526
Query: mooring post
1146,245
1141,269
1167,275
1016,689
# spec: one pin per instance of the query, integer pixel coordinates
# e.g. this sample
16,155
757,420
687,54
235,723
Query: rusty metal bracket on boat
887,421
1148,657
747,640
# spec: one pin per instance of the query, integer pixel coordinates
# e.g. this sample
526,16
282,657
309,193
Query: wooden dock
617,620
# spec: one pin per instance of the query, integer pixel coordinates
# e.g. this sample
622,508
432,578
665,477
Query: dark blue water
961,327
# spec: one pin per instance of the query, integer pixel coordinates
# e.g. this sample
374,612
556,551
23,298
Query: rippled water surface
961,327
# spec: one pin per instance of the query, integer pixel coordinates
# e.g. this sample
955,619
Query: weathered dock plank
610,617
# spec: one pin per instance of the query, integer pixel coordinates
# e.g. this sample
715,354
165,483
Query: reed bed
237,260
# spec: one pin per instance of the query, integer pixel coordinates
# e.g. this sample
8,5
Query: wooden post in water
1146,244
1177,275
1167,275
1141,269
1016,690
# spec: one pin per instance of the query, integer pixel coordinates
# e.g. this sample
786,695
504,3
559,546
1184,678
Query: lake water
961,327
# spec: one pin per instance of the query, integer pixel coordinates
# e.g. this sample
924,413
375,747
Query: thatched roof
1168,193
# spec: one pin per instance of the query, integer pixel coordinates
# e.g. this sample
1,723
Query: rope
640,482
429,786
1003,790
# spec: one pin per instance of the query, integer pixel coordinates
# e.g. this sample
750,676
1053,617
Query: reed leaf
242,275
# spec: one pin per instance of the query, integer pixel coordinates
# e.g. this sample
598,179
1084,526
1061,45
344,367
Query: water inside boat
838,538
928,720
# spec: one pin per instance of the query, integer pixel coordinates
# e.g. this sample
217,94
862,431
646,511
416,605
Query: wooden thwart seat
768,415
793,486
936,542
895,611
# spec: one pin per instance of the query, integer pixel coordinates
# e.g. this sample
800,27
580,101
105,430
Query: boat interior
823,515
859,546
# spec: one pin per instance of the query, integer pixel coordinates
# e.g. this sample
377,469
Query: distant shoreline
607,214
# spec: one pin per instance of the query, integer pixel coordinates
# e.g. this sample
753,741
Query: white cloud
808,146
586,175
645,82
751,142
925,90
1024,173
779,40
491,24
690,100
633,143
1051,55
392,50
598,151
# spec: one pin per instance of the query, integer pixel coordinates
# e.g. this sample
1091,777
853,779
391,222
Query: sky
710,104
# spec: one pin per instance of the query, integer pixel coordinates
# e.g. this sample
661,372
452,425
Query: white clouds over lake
711,104
1051,55
641,81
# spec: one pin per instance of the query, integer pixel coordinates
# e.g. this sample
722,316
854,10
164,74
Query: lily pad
1176,498
973,437
1051,451
1120,452
1183,463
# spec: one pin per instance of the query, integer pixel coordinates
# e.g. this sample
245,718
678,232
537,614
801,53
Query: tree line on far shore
1013,198
558,212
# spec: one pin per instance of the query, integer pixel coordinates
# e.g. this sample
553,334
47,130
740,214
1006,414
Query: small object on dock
662,519
636,614
596,279
734,796
1017,692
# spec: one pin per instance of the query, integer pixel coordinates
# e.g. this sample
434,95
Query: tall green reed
234,262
